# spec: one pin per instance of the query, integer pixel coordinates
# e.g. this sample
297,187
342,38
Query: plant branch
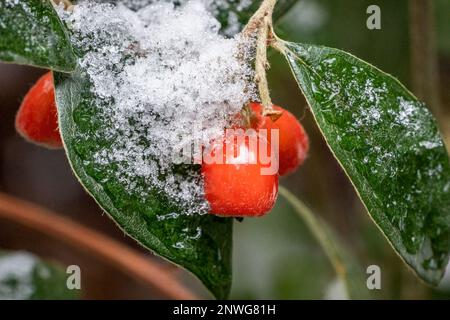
424,64
259,27
343,263
80,237
257,20
67,4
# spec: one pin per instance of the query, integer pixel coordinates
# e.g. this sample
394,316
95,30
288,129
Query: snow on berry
163,78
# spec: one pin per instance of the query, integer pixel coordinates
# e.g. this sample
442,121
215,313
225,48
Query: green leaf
24,276
388,144
345,265
199,243
31,33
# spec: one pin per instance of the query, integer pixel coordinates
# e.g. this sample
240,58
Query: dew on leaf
389,145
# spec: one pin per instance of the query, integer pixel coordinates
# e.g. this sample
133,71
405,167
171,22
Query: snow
164,79
17,268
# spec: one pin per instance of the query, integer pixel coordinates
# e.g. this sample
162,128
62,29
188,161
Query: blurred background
275,257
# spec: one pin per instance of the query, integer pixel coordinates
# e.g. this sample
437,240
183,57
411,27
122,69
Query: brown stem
260,26
67,4
256,21
93,242
424,64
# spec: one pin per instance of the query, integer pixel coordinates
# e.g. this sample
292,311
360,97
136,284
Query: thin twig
424,64
344,264
259,26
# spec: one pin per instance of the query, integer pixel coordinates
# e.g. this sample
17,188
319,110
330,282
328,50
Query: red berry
237,187
37,118
293,140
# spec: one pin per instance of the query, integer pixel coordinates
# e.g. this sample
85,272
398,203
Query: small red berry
237,187
293,140
37,118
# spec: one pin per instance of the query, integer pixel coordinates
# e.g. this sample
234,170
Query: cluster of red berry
239,188
232,189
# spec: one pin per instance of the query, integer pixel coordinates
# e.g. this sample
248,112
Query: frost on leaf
163,79
31,33
389,144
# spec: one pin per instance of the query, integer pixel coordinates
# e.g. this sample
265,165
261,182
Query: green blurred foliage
442,11
24,276
342,24
276,257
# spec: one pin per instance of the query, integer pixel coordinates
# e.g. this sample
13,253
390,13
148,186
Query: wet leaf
388,144
31,33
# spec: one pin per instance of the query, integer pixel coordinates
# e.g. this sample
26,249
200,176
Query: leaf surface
32,34
388,144
198,243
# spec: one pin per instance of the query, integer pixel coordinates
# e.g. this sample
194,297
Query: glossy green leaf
388,144
31,33
24,276
345,265
199,243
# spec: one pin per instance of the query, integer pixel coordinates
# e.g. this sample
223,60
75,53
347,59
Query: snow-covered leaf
31,33
388,144
199,243
151,82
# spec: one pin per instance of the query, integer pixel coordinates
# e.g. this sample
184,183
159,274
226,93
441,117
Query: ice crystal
17,268
163,78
